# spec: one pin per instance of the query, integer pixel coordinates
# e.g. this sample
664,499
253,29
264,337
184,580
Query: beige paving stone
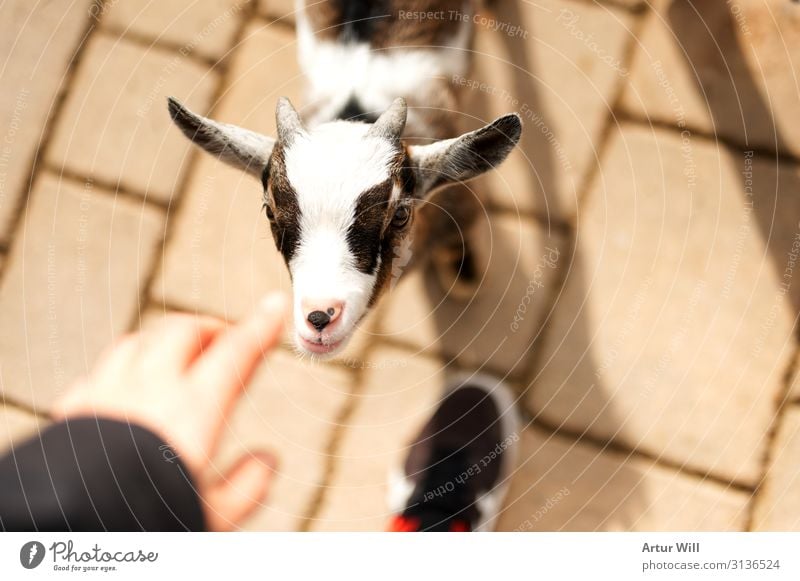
559,69
674,330
561,485
398,394
16,426
72,282
777,506
497,326
278,9
204,27
291,409
726,68
37,41
115,126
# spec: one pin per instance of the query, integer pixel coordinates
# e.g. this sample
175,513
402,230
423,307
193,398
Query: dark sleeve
93,474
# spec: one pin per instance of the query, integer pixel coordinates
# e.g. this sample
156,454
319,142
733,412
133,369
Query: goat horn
287,120
391,123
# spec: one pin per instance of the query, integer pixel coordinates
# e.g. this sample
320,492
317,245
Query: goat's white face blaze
329,168
340,201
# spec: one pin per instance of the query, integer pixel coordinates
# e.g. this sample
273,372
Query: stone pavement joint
49,127
612,120
202,31
334,445
147,43
633,6
794,388
119,191
452,363
758,151
21,406
603,444
281,23
783,405
145,300
568,228
777,505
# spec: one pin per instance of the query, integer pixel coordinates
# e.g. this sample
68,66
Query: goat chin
320,352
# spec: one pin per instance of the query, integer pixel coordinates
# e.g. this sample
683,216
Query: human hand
181,381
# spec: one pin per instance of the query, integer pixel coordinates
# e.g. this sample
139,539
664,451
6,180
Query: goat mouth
319,347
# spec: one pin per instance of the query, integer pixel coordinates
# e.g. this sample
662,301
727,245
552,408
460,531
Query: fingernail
272,303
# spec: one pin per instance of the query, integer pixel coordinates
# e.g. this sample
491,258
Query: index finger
228,364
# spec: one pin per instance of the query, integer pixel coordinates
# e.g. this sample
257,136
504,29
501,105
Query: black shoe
456,474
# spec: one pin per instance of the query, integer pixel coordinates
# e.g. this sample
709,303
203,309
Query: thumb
240,492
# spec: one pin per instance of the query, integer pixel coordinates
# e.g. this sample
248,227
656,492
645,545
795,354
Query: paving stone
398,394
278,9
16,426
559,65
496,328
204,27
724,68
33,72
292,409
72,282
115,126
561,485
778,503
675,327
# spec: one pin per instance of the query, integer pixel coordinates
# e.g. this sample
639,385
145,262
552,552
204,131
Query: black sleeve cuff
93,474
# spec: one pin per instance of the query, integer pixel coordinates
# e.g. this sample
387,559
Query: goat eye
268,210
401,217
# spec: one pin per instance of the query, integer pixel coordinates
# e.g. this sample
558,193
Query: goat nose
319,320
320,314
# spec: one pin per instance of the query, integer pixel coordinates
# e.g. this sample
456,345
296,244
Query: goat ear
241,148
463,158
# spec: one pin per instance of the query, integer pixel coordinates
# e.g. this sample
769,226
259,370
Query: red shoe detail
402,524
459,526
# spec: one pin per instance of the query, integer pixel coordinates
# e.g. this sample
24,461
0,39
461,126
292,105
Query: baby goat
343,192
